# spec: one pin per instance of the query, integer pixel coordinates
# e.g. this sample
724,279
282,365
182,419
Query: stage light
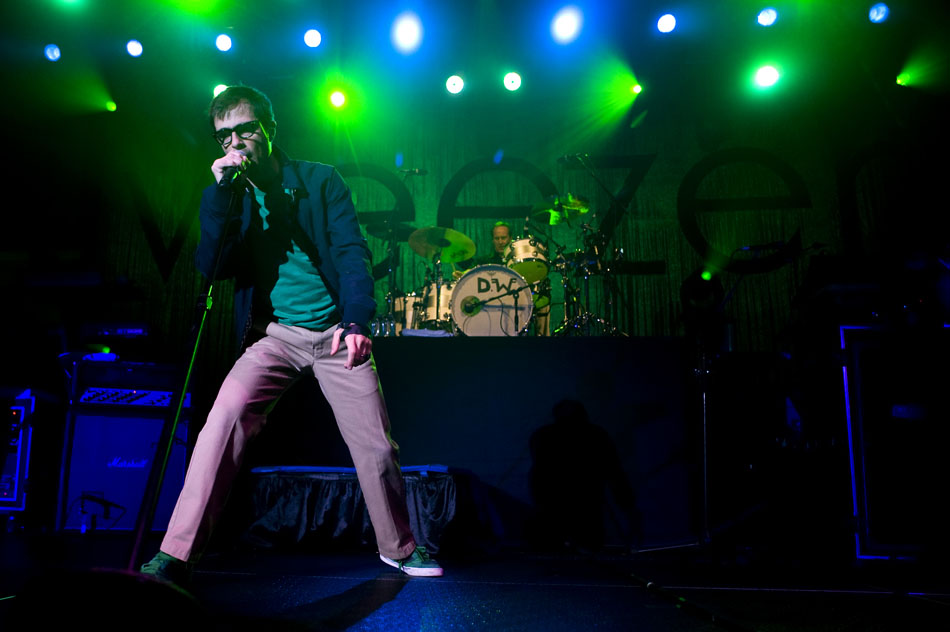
636,88
337,99
706,275
512,81
134,47
903,79
111,106
766,76
767,17
879,13
454,84
218,89
566,25
52,52
406,33
223,42
498,157
312,38
666,23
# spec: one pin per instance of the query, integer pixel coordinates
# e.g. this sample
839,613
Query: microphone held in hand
230,175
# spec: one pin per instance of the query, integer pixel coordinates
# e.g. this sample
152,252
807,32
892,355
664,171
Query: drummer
500,240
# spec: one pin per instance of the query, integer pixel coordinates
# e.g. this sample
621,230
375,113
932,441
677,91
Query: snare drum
528,257
431,314
483,302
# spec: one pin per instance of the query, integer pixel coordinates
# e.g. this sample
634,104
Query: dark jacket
326,223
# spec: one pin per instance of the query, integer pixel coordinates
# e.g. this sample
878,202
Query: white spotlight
566,25
454,84
767,17
666,23
406,33
134,47
312,38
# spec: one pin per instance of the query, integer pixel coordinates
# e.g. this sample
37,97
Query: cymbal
382,230
451,245
561,208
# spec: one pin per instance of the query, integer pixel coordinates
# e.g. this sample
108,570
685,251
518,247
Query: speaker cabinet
15,453
897,415
113,428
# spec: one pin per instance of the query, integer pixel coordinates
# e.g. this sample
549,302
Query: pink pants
248,393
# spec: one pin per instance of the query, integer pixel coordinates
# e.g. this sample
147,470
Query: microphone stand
167,438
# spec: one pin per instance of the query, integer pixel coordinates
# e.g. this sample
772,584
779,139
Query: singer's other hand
234,158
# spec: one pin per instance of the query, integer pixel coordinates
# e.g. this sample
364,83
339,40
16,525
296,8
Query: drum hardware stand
385,324
437,272
581,322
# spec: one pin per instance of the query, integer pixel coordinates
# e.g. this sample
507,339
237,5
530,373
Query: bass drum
491,300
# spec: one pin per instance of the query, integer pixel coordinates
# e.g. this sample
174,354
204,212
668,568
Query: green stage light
218,89
111,106
512,81
766,76
337,99
706,275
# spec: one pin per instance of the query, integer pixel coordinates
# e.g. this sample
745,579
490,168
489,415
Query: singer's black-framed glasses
245,130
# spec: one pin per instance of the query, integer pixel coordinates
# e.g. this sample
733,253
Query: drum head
484,302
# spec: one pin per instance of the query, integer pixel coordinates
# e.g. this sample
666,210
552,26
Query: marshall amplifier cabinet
113,426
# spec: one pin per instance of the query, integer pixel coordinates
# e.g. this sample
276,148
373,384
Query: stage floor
720,585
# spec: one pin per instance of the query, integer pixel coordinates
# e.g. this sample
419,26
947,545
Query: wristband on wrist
352,328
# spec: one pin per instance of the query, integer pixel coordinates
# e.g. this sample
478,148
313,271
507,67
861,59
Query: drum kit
492,299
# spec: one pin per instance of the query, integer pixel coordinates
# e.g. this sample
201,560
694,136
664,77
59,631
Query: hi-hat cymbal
384,229
561,208
451,245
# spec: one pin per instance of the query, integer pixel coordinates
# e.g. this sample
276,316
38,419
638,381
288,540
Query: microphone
230,175
414,172
471,306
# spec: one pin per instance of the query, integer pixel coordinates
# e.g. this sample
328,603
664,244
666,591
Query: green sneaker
419,564
170,569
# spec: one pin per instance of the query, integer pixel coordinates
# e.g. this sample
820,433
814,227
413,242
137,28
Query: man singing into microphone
303,298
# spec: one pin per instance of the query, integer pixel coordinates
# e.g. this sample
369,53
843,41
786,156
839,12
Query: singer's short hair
501,223
233,96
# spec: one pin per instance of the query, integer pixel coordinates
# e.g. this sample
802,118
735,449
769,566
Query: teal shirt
298,294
